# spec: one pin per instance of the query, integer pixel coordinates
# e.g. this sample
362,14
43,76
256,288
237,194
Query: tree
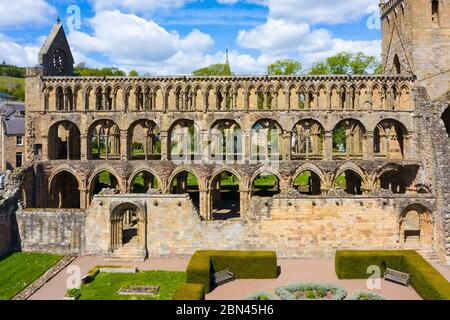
347,63
339,63
361,63
213,70
133,73
284,67
379,69
319,68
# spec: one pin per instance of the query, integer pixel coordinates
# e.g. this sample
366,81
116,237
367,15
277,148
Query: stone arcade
112,160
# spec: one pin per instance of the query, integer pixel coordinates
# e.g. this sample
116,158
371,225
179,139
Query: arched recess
350,181
64,141
266,184
225,196
390,139
102,180
143,181
64,191
266,140
416,226
348,137
185,143
393,181
446,119
129,228
144,141
104,140
307,140
308,182
186,182
226,141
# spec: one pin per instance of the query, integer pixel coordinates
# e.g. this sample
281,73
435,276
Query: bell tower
416,41
55,56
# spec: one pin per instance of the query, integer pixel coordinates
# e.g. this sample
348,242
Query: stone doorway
416,227
128,232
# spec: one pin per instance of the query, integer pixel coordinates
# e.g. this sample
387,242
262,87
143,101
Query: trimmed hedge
189,292
425,279
243,264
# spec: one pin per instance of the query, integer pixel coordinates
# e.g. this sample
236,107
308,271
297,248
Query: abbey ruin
164,166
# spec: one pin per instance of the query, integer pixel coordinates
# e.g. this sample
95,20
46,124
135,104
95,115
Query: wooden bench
222,277
397,276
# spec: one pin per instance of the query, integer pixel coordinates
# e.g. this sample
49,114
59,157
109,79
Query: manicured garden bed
311,291
106,286
243,265
19,270
425,279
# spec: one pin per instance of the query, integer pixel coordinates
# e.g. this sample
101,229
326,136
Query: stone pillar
124,147
287,138
164,136
45,155
368,146
205,206
244,200
246,150
328,146
84,147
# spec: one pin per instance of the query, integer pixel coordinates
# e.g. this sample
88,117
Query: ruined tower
416,40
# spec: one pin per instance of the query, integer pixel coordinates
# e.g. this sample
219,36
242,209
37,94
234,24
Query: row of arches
226,189
226,141
229,97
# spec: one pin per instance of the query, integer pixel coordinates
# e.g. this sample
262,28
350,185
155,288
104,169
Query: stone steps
130,252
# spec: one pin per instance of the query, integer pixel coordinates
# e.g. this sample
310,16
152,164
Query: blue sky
179,36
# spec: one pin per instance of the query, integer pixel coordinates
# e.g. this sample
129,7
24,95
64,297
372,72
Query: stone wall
302,227
53,230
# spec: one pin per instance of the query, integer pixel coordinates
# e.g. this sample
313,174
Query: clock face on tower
59,60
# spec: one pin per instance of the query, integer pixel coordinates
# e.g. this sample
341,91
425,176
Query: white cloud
138,5
17,54
141,44
25,12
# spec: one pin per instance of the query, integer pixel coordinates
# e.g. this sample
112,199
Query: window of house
19,140
19,159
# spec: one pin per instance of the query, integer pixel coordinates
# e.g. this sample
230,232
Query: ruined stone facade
380,185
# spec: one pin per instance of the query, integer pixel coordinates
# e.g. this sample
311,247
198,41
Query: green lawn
21,269
106,285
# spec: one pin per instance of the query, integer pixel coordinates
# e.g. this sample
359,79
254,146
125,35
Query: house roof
15,126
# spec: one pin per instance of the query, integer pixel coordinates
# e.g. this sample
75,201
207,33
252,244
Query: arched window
350,182
397,65
266,184
103,180
143,182
307,140
266,140
226,141
348,136
308,183
389,139
64,191
64,141
184,141
186,183
446,119
144,141
435,12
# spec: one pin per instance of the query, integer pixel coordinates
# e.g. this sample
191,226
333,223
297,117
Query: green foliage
14,87
133,73
284,67
213,70
84,71
365,295
243,264
106,285
425,279
189,292
347,63
12,71
73,293
19,270
315,291
339,137
261,296
319,68
379,69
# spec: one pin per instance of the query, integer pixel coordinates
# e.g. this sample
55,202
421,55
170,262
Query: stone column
246,150
84,147
244,199
164,145
287,138
328,146
368,146
124,147
45,155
